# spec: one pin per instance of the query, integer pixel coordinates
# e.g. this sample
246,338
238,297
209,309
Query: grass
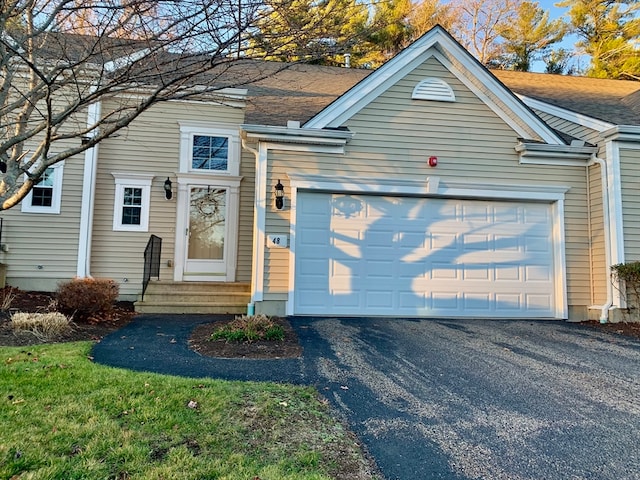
250,328
64,417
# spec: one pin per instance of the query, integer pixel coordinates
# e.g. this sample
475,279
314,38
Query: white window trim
26,205
187,132
132,180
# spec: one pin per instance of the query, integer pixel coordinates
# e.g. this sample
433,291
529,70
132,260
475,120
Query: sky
568,42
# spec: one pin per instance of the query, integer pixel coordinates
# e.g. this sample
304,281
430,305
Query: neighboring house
430,187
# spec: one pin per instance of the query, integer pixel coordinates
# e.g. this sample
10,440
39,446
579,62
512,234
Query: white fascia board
544,154
309,136
574,117
369,88
513,104
126,60
427,186
425,47
622,133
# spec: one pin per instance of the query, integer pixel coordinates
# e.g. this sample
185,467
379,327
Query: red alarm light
433,161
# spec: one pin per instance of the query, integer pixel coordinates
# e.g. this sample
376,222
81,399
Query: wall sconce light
279,191
85,139
168,194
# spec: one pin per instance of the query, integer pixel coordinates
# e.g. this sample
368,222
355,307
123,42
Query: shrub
250,328
87,298
628,274
6,298
43,325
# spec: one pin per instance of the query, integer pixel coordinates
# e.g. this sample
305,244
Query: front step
195,297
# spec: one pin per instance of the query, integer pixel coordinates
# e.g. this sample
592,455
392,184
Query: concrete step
190,308
195,297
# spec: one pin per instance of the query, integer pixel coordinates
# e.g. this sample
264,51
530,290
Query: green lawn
64,417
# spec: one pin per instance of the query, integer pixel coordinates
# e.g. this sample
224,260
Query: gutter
88,198
604,309
256,237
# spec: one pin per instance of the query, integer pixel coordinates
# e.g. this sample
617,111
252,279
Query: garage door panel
417,256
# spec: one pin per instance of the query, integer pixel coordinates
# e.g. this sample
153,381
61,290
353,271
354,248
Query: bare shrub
87,298
44,326
6,299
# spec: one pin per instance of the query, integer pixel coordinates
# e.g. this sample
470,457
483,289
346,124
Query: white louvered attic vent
433,89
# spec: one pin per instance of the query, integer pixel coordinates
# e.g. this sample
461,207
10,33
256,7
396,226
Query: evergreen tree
309,30
529,36
609,32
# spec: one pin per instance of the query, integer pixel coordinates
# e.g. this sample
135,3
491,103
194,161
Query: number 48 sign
277,241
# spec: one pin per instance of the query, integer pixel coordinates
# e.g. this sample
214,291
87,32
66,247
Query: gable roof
439,44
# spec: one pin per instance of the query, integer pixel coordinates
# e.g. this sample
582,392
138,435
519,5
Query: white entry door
207,233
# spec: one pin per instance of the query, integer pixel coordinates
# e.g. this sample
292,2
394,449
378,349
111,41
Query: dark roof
298,92
613,101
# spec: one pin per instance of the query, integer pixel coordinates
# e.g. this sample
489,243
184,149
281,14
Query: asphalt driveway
445,399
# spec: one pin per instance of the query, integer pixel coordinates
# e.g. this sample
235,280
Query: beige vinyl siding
46,240
630,186
570,128
245,222
498,97
395,136
151,144
599,267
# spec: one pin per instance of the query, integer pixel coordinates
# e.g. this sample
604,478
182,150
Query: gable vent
433,89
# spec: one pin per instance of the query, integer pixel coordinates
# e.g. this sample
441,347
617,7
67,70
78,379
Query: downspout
88,198
604,312
254,255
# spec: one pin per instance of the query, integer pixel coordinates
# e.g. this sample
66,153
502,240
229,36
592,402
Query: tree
480,27
558,61
609,32
319,31
395,24
131,55
530,34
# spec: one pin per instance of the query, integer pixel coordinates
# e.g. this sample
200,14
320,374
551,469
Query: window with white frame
209,149
46,195
132,198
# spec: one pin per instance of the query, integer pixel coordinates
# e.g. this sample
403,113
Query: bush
43,325
628,276
249,328
87,298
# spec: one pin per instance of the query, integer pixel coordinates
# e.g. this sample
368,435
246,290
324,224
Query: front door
207,233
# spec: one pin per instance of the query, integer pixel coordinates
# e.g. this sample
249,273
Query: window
131,208
210,153
206,149
46,195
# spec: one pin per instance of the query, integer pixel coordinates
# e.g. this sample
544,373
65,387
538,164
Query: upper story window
46,195
210,153
209,149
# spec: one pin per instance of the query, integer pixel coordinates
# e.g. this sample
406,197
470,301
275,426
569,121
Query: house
430,187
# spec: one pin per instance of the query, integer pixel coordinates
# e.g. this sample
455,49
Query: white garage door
405,256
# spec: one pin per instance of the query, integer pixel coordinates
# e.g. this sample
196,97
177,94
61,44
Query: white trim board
416,54
553,194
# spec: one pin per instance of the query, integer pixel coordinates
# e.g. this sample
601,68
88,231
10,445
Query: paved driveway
450,399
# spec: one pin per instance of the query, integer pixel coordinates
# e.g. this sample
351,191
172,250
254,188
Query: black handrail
151,261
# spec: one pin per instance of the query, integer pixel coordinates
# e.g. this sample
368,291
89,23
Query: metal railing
151,261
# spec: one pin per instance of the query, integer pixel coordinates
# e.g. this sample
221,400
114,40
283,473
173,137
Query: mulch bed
202,343
200,340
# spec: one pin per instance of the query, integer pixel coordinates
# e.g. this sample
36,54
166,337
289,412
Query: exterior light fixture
168,194
85,139
279,191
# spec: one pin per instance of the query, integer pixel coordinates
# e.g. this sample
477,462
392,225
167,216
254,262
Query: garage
363,254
